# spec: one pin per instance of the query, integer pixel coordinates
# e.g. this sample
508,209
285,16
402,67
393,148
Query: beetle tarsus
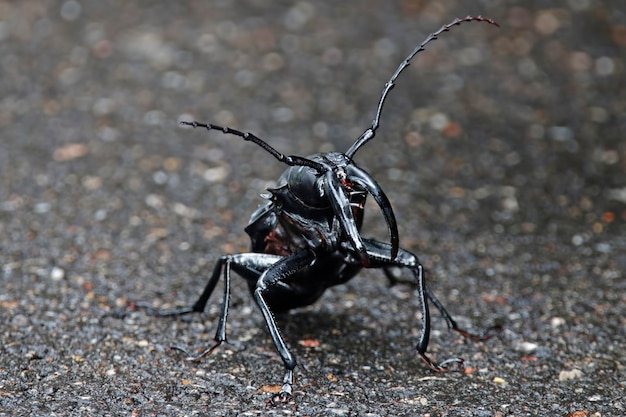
206,352
197,358
449,365
285,395
174,312
153,311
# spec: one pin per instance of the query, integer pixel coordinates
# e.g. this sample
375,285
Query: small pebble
57,274
499,381
569,375
557,321
526,347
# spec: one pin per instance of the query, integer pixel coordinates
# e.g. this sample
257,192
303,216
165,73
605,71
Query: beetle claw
449,365
197,358
452,365
285,396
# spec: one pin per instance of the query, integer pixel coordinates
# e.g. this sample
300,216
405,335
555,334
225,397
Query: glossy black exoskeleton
306,238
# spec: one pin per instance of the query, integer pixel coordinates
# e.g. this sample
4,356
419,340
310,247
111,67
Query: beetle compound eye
341,175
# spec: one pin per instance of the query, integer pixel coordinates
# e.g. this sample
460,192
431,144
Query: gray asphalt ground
501,149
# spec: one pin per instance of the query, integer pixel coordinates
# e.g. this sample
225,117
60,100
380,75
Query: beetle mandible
306,238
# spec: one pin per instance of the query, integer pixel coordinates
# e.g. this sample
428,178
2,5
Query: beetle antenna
371,131
291,160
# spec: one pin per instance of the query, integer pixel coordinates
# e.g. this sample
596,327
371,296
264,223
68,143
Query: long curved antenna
291,160
371,131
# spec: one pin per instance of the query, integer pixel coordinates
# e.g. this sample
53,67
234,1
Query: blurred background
501,150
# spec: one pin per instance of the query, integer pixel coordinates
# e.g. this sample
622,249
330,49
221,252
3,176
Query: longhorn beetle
306,238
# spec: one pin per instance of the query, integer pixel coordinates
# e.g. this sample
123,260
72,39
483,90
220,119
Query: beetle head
335,189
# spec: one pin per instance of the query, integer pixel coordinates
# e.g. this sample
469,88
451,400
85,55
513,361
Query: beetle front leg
274,280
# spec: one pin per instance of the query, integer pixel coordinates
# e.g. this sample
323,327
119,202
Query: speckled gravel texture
501,149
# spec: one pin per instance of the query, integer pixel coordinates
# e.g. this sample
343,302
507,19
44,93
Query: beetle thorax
305,214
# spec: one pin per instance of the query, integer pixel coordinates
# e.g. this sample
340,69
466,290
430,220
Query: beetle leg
343,214
220,333
277,274
393,279
450,322
200,304
250,266
485,335
379,255
422,345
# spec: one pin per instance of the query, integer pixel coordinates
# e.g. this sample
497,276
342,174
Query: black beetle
306,238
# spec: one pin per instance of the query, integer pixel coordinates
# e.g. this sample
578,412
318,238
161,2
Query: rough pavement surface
502,150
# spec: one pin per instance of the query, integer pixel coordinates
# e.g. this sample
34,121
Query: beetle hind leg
197,307
200,304
452,325
379,254
224,264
